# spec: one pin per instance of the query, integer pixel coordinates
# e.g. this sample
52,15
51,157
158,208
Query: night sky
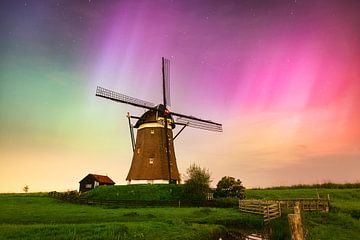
283,77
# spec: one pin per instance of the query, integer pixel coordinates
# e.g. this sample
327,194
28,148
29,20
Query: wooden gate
271,208
268,209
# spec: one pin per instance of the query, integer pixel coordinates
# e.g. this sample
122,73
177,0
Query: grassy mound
137,192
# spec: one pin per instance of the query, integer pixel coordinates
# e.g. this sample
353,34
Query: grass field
341,223
35,216
342,200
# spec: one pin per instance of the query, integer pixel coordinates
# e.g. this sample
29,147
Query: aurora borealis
283,77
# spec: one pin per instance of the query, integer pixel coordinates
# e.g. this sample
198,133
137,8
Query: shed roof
100,178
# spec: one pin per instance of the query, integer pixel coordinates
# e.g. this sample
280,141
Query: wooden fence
269,210
306,204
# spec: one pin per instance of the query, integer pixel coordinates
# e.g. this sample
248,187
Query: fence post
279,208
327,208
297,232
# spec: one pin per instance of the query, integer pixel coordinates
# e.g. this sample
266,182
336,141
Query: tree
26,188
197,184
230,187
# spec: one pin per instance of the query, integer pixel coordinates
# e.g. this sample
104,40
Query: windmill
153,150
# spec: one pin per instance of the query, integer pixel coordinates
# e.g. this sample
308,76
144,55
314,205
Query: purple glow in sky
283,77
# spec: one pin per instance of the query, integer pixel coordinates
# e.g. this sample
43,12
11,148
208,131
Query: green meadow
37,216
342,222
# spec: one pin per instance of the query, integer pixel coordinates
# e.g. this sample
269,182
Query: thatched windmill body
153,150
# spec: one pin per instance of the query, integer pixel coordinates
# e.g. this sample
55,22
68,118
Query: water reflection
255,237
235,234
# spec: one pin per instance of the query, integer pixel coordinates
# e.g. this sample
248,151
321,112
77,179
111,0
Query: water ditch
277,229
244,234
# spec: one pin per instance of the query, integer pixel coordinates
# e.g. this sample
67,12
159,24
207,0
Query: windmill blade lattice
118,97
166,81
153,149
194,122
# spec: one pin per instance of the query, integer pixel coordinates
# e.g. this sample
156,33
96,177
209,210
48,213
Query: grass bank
137,192
33,216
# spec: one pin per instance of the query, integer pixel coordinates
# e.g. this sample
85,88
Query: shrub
197,184
230,187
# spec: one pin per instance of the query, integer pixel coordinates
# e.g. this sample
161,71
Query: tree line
197,185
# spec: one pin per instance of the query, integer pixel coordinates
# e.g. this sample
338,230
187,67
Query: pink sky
282,77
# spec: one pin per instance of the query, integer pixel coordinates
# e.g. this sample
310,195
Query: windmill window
138,151
151,160
152,131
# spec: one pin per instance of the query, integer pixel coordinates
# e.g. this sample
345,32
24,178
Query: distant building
93,180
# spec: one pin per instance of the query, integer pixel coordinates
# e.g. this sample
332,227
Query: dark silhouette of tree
26,188
197,184
230,187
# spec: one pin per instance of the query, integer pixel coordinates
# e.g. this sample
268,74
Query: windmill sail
118,97
153,150
194,122
166,81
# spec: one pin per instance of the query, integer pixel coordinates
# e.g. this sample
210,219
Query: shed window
88,186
